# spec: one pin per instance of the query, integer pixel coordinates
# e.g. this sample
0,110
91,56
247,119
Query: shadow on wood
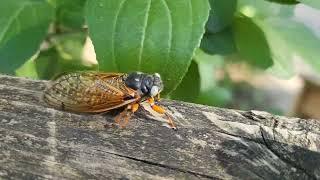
40,142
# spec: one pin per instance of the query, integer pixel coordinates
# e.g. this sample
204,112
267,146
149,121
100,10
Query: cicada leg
161,110
123,118
157,97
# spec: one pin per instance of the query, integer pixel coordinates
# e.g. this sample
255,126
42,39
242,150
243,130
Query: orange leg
161,110
133,109
123,118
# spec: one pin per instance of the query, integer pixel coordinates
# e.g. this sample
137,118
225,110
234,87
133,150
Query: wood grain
38,142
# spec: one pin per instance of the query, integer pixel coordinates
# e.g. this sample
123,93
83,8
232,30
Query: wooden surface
38,142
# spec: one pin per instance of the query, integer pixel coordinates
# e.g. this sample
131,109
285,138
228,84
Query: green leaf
264,9
70,13
311,3
290,40
70,45
221,43
64,56
216,96
43,66
24,24
145,35
189,88
251,43
199,84
287,39
221,15
28,69
49,64
208,65
210,92
284,1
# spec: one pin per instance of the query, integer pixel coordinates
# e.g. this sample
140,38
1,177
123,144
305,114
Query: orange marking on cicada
150,101
158,109
135,107
161,110
155,107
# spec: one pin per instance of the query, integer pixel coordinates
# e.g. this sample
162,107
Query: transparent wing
89,92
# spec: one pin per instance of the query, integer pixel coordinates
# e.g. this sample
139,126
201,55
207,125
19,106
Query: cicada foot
123,118
161,110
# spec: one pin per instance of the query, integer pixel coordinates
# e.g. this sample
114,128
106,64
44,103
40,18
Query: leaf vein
145,26
170,34
192,22
113,34
11,20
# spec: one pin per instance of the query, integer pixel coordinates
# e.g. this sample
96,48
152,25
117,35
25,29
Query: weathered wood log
38,142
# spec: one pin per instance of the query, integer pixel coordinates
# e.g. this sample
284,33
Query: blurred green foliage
148,36
187,42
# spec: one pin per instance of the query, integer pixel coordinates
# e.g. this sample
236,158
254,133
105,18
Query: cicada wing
89,92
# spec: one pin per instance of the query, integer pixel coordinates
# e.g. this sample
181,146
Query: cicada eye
154,91
158,82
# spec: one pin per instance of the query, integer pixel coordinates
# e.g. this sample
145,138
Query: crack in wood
285,160
163,166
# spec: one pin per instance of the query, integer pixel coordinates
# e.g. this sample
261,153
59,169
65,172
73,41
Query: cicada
98,92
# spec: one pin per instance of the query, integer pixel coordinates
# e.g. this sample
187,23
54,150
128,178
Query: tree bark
39,142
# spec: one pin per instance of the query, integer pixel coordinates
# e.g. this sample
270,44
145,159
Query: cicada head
145,84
